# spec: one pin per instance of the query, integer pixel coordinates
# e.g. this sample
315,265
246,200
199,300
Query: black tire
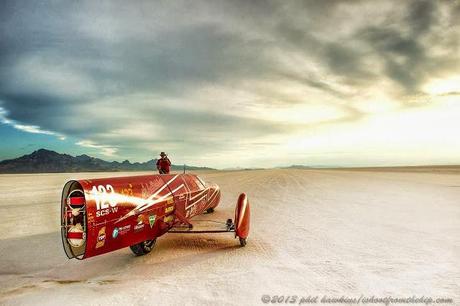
143,248
243,241
210,210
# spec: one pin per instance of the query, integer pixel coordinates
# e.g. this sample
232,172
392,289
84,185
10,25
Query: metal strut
199,232
230,227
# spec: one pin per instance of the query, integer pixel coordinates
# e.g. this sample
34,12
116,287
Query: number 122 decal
105,200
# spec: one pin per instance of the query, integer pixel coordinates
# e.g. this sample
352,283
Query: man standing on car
163,164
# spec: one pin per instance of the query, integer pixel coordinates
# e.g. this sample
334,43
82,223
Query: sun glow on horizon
443,86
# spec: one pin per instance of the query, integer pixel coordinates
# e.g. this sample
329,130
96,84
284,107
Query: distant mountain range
42,161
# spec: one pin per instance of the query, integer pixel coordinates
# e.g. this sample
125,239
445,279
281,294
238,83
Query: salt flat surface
314,232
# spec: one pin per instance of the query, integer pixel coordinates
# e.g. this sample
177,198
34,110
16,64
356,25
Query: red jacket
163,165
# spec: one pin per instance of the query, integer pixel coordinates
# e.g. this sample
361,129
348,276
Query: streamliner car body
106,214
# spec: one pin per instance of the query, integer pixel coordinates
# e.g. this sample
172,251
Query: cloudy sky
233,83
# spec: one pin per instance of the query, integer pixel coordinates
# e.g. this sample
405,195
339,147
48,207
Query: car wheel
143,247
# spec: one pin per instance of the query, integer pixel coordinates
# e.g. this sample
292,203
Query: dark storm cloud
35,107
403,47
346,62
398,42
79,68
422,16
337,57
402,56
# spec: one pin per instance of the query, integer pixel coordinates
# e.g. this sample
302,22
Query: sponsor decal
120,231
152,220
115,232
105,201
138,227
169,209
169,218
124,230
140,224
100,238
170,201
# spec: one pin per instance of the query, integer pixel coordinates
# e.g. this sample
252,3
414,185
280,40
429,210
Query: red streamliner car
102,215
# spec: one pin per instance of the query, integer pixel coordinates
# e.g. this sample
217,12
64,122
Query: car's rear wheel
143,247
243,241
210,210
